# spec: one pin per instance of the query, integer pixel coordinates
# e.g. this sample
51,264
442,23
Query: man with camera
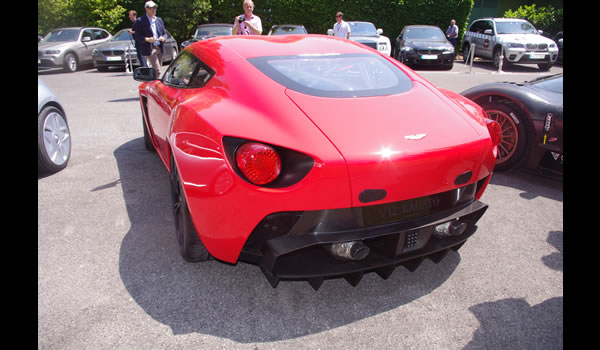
248,23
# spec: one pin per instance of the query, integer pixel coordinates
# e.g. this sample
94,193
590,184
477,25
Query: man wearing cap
150,35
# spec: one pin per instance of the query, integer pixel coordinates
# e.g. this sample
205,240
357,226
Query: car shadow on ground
513,323
531,185
509,68
236,301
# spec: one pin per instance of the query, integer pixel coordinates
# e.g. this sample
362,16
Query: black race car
531,117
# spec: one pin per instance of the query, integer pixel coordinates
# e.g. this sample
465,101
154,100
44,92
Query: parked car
326,159
516,40
205,31
423,45
531,117
54,137
121,49
558,39
283,29
70,48
366,34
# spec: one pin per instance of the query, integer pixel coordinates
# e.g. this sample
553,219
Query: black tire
190,246
516,140
497,54
147,140
54,140
70,63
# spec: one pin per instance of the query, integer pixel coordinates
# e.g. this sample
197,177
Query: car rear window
335,75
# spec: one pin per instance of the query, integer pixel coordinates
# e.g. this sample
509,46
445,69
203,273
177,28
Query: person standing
341,28
452,32
247,23
134,21
150,35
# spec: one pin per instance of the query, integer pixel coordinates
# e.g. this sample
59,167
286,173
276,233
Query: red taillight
495,131
259,163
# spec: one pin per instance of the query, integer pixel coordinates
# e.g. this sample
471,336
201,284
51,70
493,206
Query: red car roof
232,47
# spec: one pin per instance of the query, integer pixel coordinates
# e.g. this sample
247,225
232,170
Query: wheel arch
510,100
54,104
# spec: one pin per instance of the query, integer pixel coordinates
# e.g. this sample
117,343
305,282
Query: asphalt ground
110,275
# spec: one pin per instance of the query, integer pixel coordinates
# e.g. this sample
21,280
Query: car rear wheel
147,140
514,138
71,65
190,246
54,140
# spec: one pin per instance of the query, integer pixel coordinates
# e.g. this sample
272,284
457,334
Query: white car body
366,34
519,40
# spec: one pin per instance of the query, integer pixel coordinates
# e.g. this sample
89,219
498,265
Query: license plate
429,57
393,212
113,58
537,56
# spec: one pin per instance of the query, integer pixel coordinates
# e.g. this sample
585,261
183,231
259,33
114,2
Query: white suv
515,39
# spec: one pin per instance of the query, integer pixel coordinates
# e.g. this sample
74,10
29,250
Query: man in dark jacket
150,36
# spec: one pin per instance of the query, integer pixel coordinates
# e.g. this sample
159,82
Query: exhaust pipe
353,250
450,228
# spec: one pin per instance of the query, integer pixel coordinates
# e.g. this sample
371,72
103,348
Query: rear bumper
293,245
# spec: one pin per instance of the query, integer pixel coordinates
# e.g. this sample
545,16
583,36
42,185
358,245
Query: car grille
370,44
429,52
537,47
113,52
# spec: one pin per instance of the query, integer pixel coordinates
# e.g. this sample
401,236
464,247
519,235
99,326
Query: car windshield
280,30
335,75
552,83
62,35
423,34
517,27
122,35
362,29
212,31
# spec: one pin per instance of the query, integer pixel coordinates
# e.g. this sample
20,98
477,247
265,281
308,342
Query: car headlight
407,49
553,45
448,50
52,52
515,45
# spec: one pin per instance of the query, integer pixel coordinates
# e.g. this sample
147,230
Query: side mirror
144,74
330,32
379,31
86,39
488,32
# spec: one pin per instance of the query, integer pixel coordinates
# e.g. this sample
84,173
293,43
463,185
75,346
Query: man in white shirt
341,28
248,23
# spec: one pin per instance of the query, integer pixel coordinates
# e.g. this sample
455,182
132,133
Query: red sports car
314,157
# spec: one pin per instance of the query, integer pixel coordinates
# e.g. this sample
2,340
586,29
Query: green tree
548,19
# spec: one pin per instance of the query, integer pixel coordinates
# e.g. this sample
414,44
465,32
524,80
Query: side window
97,34
87,33
489,25
475,27
187,72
